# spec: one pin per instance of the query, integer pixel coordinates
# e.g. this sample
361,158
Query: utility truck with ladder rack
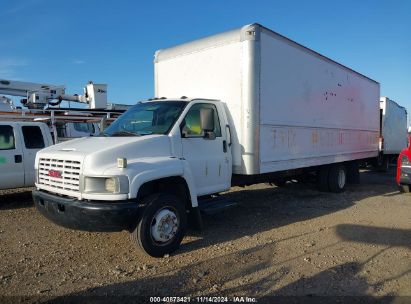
23,132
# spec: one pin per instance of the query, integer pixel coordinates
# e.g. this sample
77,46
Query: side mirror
207,120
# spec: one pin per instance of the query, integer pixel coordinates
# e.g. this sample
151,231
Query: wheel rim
341,178
164,225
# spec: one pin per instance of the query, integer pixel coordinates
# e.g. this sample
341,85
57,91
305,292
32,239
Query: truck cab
144,173
19,143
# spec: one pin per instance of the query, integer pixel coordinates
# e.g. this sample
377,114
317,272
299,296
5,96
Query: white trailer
263,109
393,130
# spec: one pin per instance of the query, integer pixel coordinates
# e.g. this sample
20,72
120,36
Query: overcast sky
113,42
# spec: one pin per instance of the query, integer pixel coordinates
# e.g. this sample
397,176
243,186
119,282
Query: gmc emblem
54,173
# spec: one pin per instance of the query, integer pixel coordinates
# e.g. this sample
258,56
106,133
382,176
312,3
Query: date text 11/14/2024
203,299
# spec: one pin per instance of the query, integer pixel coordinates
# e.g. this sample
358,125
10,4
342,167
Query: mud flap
353,172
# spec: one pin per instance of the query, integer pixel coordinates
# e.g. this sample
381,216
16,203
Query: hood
99,153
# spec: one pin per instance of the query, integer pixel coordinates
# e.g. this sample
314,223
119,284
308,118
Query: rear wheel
162,226
337,178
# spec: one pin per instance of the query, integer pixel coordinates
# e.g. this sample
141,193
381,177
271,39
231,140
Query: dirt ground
277,242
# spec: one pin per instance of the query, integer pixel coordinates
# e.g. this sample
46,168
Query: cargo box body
288,106
393,127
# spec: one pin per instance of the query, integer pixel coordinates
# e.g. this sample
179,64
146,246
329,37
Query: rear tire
162,226
337,178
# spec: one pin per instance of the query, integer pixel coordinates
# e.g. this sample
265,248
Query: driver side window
191,125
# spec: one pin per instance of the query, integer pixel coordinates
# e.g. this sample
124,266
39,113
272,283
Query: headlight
106,185
405,161
111,185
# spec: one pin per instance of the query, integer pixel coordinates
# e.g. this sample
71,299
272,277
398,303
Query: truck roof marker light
122,162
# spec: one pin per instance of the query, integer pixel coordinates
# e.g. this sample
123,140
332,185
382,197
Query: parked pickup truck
19,143
268,110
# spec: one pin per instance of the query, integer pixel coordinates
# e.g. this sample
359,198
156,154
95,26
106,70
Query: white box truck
262,109
393,132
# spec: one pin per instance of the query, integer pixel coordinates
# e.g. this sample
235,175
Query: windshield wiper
124,133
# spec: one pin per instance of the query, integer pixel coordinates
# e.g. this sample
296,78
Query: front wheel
162,226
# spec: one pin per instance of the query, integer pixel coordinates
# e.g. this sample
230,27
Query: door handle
224,146
18,158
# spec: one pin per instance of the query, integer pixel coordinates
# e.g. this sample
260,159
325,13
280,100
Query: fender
160,167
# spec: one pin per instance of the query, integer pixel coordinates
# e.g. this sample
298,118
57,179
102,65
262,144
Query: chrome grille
68,171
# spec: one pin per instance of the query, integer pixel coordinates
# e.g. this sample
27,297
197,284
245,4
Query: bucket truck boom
38,95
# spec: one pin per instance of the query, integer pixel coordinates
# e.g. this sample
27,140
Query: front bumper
87,215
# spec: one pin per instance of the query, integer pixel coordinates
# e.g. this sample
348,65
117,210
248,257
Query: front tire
162,226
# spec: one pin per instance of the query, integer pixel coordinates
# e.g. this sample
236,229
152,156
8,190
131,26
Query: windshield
146,118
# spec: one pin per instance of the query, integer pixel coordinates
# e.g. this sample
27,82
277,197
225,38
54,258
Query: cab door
208,155
11,157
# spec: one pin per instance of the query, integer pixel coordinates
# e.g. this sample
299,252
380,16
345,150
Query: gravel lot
277,241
